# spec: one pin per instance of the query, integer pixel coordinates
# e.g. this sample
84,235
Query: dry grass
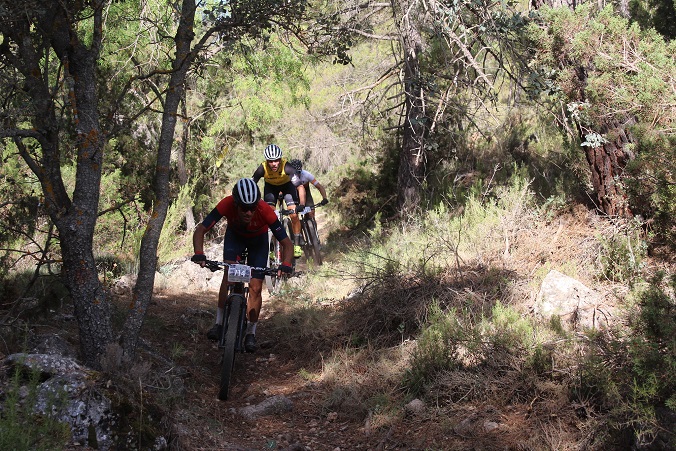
343,354
375,332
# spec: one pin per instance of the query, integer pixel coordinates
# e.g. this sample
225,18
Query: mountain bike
233,327
309,237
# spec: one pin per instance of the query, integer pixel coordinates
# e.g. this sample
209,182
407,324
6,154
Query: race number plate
239,273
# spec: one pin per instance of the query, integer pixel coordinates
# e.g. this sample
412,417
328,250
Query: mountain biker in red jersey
277,173
302,180
249,218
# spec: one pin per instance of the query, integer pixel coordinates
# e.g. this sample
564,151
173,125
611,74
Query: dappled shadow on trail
342,366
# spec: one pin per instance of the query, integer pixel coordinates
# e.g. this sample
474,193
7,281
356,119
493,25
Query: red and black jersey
264,218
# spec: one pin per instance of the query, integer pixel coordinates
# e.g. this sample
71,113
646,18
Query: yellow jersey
278,177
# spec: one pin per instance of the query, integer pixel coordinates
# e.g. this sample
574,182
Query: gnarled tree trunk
30,32
143,289
607,163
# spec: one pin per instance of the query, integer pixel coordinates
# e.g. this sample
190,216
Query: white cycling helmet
273,152
246,192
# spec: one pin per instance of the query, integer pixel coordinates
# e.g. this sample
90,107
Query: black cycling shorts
271,192
257,250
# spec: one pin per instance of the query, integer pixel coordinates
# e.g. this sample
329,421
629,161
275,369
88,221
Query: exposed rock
124,285
271,406
68,393
490,426
52,344
161,283
466,426
578,307
415,407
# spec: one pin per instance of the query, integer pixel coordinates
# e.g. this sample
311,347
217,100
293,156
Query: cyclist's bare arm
198,242
287,250
321,189
198,235
301,194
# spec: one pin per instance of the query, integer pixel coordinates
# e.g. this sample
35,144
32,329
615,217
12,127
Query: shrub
438,349
20,427
621,255
630,375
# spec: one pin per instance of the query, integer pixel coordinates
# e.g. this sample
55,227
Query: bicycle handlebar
312,207
216,265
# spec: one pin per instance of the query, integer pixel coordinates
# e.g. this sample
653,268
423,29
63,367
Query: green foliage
509,330
120,227
438,349
20,208
631,374
35,297
368,190
455,340
21,428
254,90
658,14
628,75
174,242
621,255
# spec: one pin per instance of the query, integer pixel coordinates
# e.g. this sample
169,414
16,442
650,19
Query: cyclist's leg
310,202
291,199
270,193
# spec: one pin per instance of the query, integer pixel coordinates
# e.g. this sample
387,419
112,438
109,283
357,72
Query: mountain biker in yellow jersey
302,180
249,218
277,173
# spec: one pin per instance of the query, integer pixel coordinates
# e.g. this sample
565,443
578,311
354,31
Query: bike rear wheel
230,344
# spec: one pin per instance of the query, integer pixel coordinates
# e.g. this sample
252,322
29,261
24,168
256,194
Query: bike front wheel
271,281
230,344
313,247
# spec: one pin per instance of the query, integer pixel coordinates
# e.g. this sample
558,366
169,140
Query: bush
20,427
438,350
621,255
630,376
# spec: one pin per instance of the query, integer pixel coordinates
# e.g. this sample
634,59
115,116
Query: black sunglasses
245,207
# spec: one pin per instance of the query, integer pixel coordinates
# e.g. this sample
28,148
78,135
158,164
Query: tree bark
74,218
607,164
412,159
142,292
180,162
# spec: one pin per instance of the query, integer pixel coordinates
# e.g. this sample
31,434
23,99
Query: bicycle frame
275,250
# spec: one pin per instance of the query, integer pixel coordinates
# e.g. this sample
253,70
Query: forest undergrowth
437,312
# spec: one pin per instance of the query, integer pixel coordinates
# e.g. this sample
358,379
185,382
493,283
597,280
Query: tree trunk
607,165
180,162
74,219
143,289
412,159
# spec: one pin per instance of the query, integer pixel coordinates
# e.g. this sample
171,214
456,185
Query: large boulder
67,392
578,306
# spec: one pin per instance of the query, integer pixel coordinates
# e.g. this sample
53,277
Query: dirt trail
202,422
